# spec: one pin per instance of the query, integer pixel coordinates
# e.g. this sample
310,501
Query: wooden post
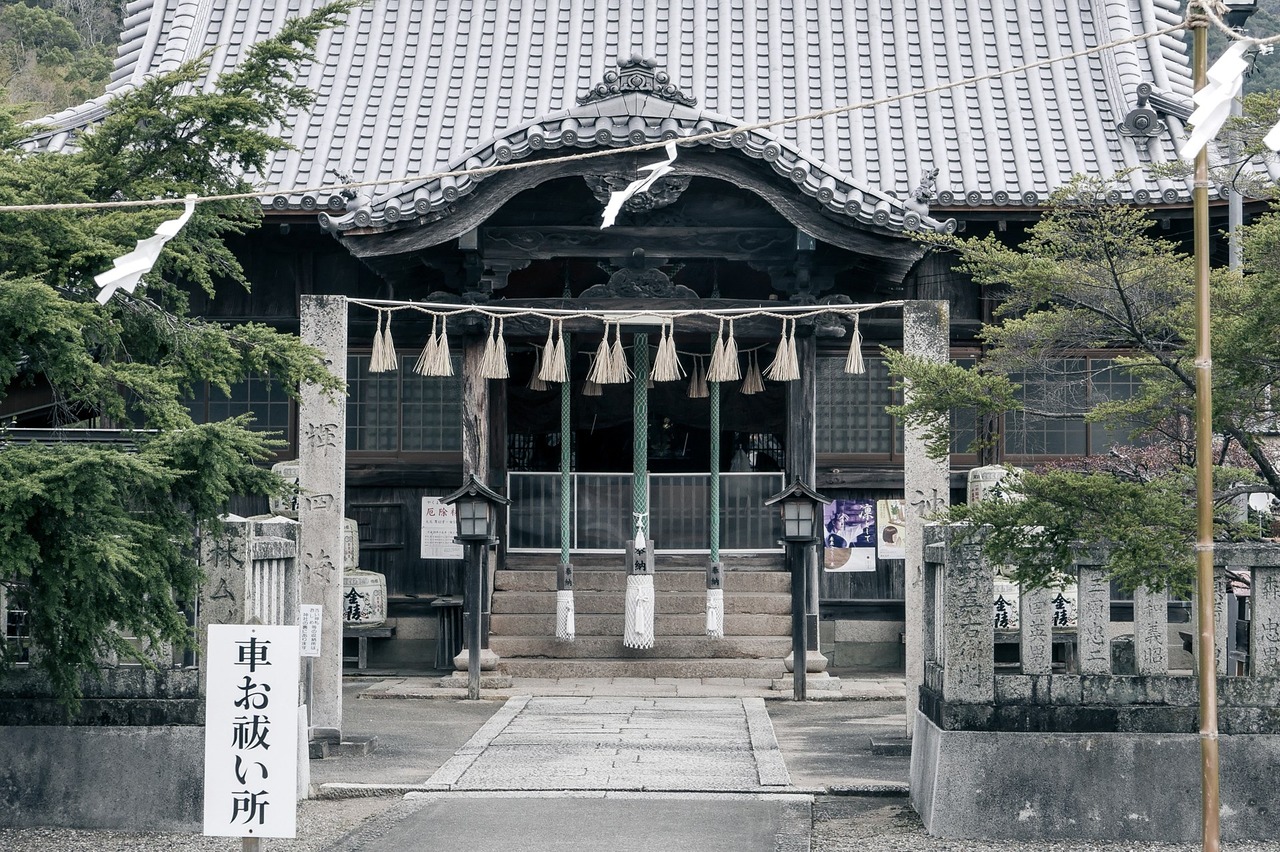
799,618
802,442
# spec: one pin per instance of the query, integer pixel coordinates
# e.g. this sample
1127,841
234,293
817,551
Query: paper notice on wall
849,538
439,527
891,520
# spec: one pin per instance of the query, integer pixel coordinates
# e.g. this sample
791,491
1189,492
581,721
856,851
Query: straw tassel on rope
698,381
666,364
428,350
753,382
590,387
785,366
383,357
854,364
618,357
535,382
493,364
724,365
554,365
435,360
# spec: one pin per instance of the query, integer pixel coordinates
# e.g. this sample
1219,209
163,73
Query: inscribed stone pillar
1222,621
968,583
1093,615
322,450
1151,631
926,333
1264,633
1036,630
224,558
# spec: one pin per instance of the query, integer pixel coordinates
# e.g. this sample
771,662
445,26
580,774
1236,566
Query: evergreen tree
96,542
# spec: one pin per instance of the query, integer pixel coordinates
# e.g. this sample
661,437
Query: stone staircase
757,621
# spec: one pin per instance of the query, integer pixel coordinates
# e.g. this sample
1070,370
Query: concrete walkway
609,763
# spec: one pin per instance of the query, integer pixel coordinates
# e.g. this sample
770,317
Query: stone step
664,624
643,668
668,647
616,580
767,561
609,603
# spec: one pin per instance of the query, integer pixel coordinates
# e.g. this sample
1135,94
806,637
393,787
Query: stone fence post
251,571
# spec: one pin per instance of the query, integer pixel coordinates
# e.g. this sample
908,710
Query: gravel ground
322,825
840,824
890,825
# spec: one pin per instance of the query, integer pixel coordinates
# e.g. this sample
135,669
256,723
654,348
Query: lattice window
401,411
850,411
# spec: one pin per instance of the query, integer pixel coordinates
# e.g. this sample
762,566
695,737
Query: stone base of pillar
820,684
488,660
488,680
333,735
813,662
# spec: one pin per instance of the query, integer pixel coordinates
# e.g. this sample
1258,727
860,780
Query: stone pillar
1036,630
322,452
926,333
1223,622
801,463
1264,633
1093,615
968,583
1151,631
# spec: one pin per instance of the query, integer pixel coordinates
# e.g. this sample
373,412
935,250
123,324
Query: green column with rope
638,604
715,580
564,576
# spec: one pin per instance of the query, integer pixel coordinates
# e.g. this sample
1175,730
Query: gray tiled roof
409,87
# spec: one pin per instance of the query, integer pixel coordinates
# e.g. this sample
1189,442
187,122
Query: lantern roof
475,488
794,489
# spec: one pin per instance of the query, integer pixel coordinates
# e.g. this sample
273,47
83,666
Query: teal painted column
714,389
640,445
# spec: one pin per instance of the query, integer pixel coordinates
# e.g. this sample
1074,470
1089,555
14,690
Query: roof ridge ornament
637,74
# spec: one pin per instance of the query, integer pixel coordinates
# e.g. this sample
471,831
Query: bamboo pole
1205,656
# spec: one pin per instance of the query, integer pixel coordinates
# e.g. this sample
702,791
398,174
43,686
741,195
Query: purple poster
849,537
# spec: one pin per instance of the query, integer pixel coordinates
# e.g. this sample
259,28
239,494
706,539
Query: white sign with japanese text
251,731
439,527
310,617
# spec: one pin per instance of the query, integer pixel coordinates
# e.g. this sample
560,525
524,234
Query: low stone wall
1087,786
131,757
125,778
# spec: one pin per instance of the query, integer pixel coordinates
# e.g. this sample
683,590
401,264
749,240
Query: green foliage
96,541
1092,274
1144,527
945,387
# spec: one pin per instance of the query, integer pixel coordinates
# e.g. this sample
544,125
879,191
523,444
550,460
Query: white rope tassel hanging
493,364
599,373
715,613
564,615
785,366
666,364
428,351
535,382
753,382
377,352
553,357
638,605
439,364
590,388
698,382
724,365
618,358
854,364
